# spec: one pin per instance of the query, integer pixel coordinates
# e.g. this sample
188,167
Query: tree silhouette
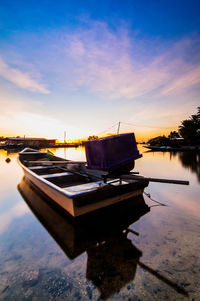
159,141
93,137
173,134
190,129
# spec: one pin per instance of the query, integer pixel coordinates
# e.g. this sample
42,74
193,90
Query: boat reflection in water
112,258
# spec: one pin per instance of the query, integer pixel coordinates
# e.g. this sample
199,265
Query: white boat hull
84,201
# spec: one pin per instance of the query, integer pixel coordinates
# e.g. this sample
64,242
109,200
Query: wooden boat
171,148
75,187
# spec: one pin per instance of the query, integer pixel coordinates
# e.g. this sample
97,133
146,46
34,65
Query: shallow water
158,258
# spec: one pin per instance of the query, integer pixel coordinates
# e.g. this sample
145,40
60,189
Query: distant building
31,142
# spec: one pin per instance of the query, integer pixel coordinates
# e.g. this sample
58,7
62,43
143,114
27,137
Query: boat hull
47,188
82,203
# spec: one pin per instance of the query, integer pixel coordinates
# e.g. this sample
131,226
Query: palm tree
174,134
190,129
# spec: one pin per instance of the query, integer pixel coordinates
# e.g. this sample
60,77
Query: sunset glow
82,69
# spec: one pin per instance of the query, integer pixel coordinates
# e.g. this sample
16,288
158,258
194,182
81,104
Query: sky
83,66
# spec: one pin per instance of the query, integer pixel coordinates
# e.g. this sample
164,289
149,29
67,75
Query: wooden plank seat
57,162
85,187
33,153
41,167
56,175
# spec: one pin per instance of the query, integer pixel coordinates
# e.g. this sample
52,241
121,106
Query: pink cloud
121,66
183,82
21,79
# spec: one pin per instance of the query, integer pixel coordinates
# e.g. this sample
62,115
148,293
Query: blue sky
82,66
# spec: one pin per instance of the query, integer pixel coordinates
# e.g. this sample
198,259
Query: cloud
183,82
18,210
110,62
124,66
21,79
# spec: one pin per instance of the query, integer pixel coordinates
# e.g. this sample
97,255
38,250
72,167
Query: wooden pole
64,136
118,128
169,181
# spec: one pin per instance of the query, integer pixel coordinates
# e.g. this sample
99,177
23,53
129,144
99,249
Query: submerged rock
89,292
56,283
31,278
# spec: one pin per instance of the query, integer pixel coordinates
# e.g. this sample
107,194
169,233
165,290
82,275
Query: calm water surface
48,258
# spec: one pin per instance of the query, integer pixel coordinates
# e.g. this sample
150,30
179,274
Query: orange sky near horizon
140,136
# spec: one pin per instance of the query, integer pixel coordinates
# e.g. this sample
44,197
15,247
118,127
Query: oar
170,181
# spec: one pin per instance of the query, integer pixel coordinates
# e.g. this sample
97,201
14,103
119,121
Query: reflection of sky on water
70,153
32,265
7,217
11,206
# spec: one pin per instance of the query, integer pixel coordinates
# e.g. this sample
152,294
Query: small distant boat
171,148
78,187
161,148
12,147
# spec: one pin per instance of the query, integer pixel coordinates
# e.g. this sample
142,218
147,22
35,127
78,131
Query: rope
149,196
149,126
132,124
108,129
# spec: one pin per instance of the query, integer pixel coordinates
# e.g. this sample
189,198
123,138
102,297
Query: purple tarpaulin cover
109,152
